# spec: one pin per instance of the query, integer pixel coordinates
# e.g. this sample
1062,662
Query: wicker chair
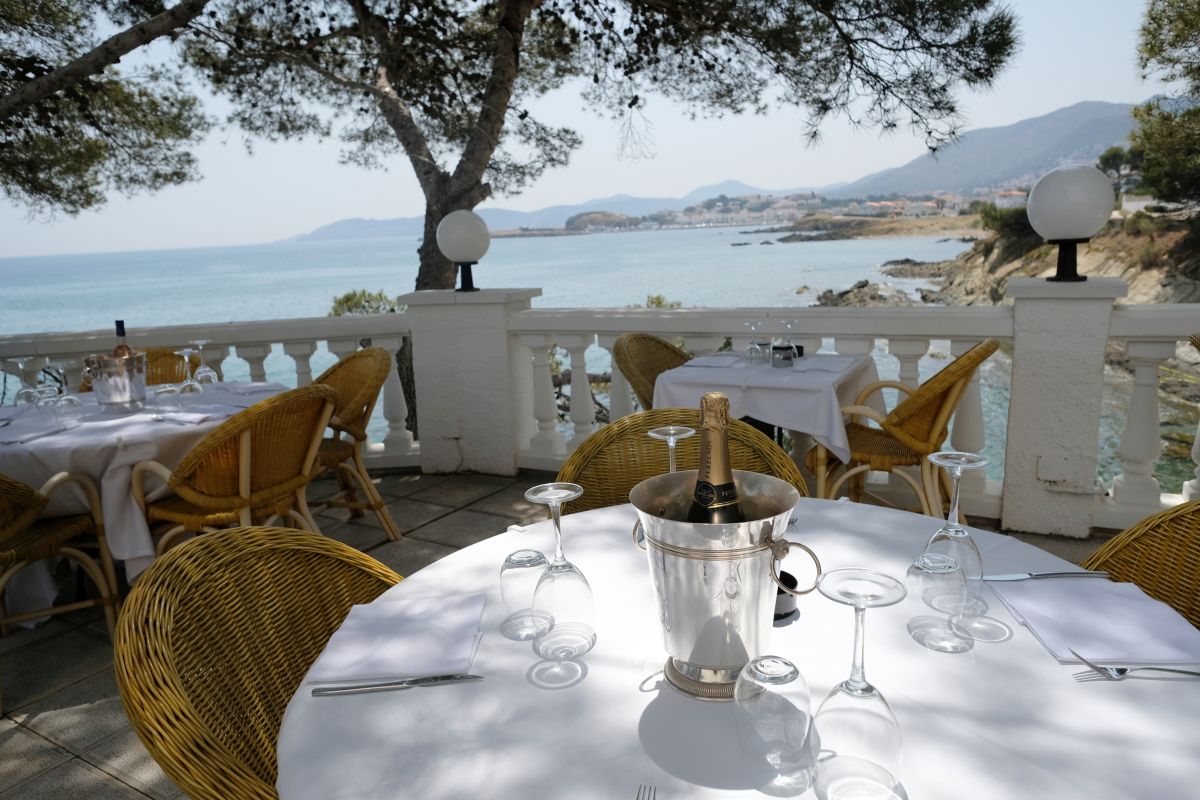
916,427
163,365
642,358
24,539
619,456
216,636
1161,554
253,468
357,380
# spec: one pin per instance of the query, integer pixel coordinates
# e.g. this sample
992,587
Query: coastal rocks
911,268
865,294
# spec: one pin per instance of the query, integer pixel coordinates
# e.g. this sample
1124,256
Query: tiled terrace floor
64,733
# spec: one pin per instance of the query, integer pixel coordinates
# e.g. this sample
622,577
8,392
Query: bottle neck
714,457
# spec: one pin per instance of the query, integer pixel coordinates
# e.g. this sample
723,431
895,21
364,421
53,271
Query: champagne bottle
122,349
715,498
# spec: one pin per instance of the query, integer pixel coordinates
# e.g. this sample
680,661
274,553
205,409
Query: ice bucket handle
780,548
639,536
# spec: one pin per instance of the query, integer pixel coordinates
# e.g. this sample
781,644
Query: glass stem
671,451
952,518
857,682
556,515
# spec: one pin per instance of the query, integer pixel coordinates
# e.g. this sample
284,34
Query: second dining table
1003,720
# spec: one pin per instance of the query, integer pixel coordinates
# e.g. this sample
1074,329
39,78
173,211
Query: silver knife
383,686
1024,576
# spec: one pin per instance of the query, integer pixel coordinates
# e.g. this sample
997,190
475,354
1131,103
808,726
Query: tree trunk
436,271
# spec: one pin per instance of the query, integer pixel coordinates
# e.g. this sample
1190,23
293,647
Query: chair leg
167,538
376,500
302,510
108,594
845,476
347,494
822,471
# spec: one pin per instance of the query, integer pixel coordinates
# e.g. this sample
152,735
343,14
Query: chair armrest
135,480
877,385
863,411
89,489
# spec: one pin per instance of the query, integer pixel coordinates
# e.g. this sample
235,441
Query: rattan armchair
215,638
916,427
357,379
253,468
1161,554
24,538
619,456
642,358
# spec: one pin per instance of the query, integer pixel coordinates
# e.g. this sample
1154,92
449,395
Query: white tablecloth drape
807,398
1004,720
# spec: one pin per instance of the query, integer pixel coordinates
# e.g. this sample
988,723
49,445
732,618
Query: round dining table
1003,720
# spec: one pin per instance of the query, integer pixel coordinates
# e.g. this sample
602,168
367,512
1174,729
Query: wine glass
953,540
205,375
562,590
188,388
671,434
754,350
787,336
935,581
775,722
860,737
518,581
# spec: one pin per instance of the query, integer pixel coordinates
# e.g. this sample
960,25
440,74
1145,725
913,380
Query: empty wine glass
205,375
518,581
935,581
953,540
754,350
788,324
671,434
562,591
775,722
68,411
860,737
188,388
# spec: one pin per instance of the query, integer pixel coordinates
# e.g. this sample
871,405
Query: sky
1071,51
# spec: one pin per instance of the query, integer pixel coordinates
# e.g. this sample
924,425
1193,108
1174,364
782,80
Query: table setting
822,704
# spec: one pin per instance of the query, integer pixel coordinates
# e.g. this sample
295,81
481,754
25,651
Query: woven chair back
20,505
1161,554
259,456
642,358
1195,340
216,636
921,420
357,379
619,456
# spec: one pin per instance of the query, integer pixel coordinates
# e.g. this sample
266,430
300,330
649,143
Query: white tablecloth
105,448
808,401
1003,721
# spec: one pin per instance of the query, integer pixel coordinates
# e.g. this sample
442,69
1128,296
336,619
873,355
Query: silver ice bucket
715,583
118,381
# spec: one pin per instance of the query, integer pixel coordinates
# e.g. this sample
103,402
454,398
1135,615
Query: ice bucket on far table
118,381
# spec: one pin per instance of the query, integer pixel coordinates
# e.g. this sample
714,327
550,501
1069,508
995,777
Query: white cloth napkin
406,637
188,417
715,360
823,363
254,387
1105,622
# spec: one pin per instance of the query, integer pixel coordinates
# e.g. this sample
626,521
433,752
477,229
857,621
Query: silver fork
1098,672
646,792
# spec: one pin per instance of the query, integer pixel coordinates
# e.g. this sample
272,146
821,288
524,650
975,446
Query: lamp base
1067,265
468,283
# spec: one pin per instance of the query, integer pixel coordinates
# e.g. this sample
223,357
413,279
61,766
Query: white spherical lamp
463,237
1067,206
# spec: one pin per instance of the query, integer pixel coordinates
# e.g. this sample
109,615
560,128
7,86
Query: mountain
1007,156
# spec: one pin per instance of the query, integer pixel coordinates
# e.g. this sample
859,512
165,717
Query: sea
696,267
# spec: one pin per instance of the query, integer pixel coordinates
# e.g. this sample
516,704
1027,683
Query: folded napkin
715,360
823,363
1106,622
402,638
189,417
253,387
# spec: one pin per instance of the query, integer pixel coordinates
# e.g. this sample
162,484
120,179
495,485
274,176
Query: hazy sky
1072,50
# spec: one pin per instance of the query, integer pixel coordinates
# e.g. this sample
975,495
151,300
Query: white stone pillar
301,353
967,435
620,396
342,347
1191,489
908,352
1052,454
1141,443
398,440
548,440
463,367
256,356
583,409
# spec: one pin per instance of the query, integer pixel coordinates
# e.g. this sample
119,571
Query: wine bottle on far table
715,499
122,349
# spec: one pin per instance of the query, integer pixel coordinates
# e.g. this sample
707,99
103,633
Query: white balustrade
1141,444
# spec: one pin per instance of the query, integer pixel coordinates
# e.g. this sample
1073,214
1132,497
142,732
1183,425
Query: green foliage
360,301
126,130
658,301
1141,224
1012,222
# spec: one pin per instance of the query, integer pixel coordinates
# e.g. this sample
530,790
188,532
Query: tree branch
98,58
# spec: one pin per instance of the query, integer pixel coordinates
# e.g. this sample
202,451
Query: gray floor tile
409,514
510,502
459,490
360,537
80,715
24,755
73,779
18,637
122,754
321,489
38,671
462,528
406,555
402,484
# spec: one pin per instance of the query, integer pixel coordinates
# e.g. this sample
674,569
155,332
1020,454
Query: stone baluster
583,410
548,440
1140,441
214,356
256,356
908,352
967,435
342,347
1191,489
854,345
699,345
811,344
620,396
301,353
398,439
